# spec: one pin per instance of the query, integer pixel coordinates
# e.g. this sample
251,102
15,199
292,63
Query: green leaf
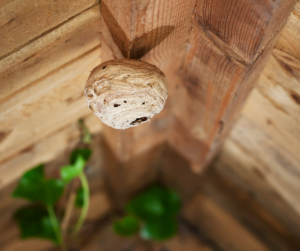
173,202
34,187
148,203
30,185
53,190
155,201
127,226
79,201
34,222
159,228
157,207
84,152
36,173
70,172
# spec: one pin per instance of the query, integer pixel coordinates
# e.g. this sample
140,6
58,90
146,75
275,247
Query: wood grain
218,225
22,22
45,150
46,105
219,197
143,20
246,26
100,204
49,52
215,78
126,177
263,148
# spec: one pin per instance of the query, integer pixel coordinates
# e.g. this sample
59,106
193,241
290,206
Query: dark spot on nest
93,107
221,123
125,101
116,105
104,67
139,121
143,103
295,97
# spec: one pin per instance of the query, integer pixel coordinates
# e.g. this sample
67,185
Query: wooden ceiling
49,48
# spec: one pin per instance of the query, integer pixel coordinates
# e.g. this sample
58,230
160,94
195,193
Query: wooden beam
261,154
45,106
234,210
126,177
219,227
160,28
45,150
229,44
211,72
49,52
24,21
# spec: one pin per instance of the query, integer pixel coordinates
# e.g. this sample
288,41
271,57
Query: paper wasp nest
124,93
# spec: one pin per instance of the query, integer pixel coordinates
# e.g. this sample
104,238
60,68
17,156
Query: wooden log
24,21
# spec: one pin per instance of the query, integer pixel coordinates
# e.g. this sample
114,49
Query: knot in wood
125,93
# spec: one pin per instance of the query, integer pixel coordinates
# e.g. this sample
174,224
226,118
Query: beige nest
125,93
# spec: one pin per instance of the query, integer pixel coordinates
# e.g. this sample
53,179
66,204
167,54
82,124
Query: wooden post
227,49
212,52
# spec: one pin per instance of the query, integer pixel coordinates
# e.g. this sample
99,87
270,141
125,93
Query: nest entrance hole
139,121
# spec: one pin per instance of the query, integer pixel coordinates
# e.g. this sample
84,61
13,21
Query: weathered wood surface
246,26
261,154
56,100
221,227
45,150
220,217
226,193
217,73
100,204
48,53
22,22
125,177
199,52
42,82
214,70
161,28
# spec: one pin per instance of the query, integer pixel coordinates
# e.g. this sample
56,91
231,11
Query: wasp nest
125,93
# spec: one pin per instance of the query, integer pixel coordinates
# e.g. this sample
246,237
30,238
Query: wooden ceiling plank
24,21
52,103
49,52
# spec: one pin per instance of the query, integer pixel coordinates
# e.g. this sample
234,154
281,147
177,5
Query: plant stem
87,137
86,201
55,226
